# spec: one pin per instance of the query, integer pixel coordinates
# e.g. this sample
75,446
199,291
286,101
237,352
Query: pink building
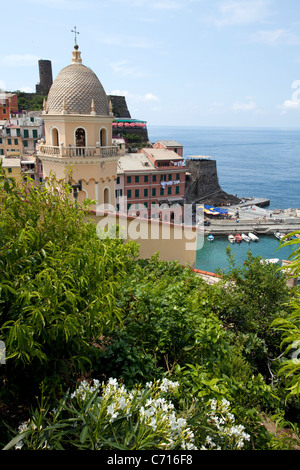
169,145
153,176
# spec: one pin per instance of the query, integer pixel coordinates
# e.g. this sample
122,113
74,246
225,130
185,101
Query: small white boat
245,238
253,237
279,235
210,238
270,261
231,238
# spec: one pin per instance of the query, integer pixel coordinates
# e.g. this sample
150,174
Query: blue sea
259,162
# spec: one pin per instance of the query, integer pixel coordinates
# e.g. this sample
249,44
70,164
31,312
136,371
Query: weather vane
75,32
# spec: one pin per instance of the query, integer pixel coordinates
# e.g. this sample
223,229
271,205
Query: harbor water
212,255
263,163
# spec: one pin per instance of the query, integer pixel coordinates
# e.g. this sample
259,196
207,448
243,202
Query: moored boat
270,261
238,238
279,235
210,238
253,237
245,238
231,238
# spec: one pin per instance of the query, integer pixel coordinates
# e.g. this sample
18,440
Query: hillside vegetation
107,351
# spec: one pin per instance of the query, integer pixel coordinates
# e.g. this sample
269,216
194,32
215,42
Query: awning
175,199
212,210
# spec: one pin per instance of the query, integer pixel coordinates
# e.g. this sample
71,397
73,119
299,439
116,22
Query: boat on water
270,261
279,235
231,238
210,238
253,237
238,238
245,238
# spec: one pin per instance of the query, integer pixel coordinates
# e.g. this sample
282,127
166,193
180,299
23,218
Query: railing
170,165
69,152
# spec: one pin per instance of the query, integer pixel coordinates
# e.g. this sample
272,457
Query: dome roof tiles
74,89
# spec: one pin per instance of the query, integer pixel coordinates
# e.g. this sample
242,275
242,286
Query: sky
178,62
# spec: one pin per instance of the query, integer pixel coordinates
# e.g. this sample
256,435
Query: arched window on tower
80,141
55,137
106,198
103,138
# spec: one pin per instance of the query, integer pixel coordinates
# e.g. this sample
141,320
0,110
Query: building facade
169,145
78,133
11,140
8,105
12,169
31,128
152,177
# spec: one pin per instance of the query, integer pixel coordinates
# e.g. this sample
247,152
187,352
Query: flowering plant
109,417
221,430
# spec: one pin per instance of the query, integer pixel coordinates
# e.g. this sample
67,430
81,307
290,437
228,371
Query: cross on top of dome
75,33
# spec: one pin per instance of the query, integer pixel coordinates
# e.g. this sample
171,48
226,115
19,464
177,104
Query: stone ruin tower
46,79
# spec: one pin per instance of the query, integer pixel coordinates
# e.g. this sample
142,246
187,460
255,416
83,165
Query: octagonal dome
77,90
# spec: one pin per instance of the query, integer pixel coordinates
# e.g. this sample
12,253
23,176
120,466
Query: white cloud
135,97
27,89
289,105
167,5
294,102
216,106
124,68
151,97
248,105
64,4
18,60
158,4
275,37
242,12
2,86
118,93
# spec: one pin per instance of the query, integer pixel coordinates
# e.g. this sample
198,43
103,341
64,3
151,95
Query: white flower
153,423
111,409
113,382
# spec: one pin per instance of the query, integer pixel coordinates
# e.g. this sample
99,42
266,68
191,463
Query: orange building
8,105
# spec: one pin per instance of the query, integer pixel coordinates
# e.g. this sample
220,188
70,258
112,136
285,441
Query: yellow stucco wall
97,174
66,125
12,168
172,242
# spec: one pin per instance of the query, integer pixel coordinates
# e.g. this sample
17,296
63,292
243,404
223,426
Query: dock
255,201
250,216
259,227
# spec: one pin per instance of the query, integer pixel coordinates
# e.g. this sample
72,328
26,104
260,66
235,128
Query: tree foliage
75,306
290,327
58,281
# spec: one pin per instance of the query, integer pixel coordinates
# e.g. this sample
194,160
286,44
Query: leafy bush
58,284
113,419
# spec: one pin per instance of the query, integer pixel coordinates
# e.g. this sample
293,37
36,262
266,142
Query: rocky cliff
202,185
